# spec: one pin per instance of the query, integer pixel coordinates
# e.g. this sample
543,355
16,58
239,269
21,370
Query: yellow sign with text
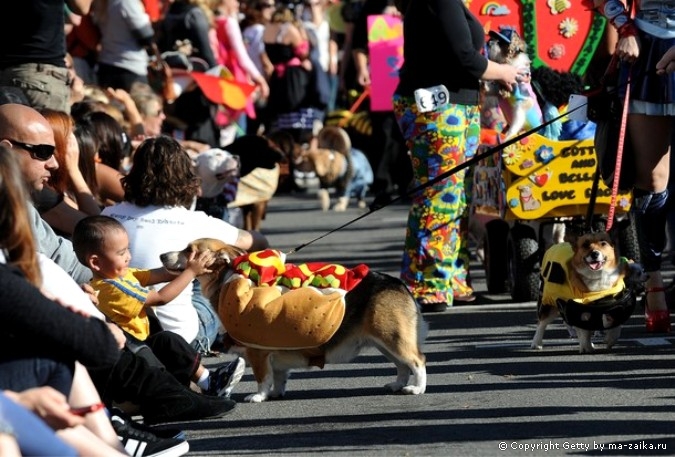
546,178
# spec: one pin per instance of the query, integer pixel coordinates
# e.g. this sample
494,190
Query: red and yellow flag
224,91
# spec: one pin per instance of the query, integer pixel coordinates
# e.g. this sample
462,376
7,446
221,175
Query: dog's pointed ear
229,253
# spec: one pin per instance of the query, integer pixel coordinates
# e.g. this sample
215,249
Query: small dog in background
261,160
519,107
585,270
339,166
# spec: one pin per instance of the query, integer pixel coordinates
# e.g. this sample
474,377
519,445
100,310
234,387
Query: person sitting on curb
126,376
102,244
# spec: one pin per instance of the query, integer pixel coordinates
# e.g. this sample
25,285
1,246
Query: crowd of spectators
85,131
89,133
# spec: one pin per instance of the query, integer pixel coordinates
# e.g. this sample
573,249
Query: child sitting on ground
102,244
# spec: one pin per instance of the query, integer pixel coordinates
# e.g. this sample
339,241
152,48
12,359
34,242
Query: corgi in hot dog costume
285,316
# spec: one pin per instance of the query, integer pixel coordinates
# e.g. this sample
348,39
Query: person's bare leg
84,393
9,446
651,137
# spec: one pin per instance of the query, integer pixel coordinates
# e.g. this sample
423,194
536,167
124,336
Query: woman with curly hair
157,212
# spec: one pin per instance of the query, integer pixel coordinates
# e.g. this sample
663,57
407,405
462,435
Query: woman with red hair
68,197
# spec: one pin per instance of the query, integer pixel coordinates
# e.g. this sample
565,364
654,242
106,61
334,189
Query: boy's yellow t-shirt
122,300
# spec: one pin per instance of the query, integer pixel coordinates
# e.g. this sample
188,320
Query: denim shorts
209,323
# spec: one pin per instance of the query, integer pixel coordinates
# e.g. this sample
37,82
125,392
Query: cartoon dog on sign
527,200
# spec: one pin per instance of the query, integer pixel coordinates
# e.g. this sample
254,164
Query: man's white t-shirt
154,230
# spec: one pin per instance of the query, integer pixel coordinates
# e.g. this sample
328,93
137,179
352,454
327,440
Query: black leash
445,175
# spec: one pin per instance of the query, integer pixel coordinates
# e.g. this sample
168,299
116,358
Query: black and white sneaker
223,379
159,431
140,441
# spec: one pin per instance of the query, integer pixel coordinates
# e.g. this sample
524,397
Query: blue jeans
334,84
24,374
33,435
209,323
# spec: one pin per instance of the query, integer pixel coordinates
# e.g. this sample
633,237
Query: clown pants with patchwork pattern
436,256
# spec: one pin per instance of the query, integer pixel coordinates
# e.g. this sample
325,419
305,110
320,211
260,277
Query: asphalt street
488,393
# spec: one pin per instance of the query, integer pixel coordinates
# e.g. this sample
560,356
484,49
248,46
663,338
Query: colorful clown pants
436,256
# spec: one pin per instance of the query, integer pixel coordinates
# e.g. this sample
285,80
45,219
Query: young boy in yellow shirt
102,244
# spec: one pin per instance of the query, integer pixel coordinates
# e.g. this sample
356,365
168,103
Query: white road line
651,341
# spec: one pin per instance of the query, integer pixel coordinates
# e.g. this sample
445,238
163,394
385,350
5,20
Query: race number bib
431,98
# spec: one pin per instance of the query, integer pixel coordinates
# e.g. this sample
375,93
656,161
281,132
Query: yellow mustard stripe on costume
556,279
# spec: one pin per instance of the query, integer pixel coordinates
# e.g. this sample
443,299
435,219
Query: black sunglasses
41,152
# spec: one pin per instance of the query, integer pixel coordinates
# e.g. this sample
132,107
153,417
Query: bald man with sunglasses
24,130
27,133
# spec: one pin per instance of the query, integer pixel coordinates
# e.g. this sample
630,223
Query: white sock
203,381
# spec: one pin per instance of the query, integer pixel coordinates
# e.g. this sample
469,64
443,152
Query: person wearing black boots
645,34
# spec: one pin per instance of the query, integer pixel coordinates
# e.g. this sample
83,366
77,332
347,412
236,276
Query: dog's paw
535,346
412,390
409,389
256,398
341,204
